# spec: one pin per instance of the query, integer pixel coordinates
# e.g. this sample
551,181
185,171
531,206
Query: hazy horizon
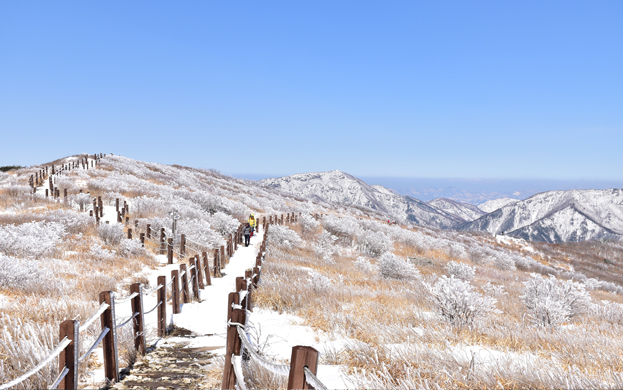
474,191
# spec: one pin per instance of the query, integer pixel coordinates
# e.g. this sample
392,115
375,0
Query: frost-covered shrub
223,223
144,206
65,182
457,251
318,282
17,190
550,301
33,239
130,248
609,311
393,267
460,270
494,289
308,224
26,276
345,229
283,236
374,244
82,200
458,302
324,247
110,234
101,254
73,221
504,262
364,264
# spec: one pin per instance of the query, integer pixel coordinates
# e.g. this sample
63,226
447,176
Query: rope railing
126,299
59,378
153,290
59,348
237,363
313,380
155,307
101,336
103,307
279,369
133,316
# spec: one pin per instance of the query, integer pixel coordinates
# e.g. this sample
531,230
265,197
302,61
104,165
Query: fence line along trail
179,360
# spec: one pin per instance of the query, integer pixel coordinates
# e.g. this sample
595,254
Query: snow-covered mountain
466,211
494,204
558,216
342,188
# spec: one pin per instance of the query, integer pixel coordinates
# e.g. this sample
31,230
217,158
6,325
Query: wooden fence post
232,348
162,244
302,356
175,291
184,273
194,277
216,266
117,204
69,356
129,234
139,321
111,365
170,251
148,231
232,299
199,272
206,266
221,258
183,245
256,276
142,237
162,309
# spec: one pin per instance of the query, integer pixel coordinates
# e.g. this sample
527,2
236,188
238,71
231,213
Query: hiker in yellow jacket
252,223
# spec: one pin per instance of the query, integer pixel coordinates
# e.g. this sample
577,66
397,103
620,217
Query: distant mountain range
553,216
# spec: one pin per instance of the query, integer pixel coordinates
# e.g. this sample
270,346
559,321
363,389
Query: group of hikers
249,228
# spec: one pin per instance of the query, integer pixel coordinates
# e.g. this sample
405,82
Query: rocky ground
172,364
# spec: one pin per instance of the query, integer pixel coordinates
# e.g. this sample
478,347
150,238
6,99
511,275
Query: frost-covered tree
223,223
460,270
364,264
324,246
283,236
82,200
504,261
33,239
110,234
551,301
101,254
393,267
373,243
457,301
308,224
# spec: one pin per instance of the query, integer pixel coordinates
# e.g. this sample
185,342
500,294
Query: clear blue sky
463,89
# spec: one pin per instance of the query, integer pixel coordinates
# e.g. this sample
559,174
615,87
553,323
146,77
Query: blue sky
462,89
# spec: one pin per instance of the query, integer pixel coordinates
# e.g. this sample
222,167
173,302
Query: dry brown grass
379,313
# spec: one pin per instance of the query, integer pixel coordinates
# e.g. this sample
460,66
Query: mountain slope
494,204
465,211
342,188
558,216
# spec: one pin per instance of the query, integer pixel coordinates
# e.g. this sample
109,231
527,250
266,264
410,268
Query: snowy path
179,360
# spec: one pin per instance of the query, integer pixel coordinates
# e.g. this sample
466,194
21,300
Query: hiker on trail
252,223
247,234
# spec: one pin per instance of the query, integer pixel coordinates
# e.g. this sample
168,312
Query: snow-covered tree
460,270
551,301
457,301
110,234
283,236
393,267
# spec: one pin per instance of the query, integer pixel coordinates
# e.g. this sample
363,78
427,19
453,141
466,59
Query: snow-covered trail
206,320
